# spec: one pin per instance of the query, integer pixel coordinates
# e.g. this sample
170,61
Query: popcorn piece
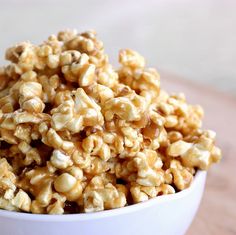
87,76
8,136
51,138
49,86
178,148
76,172
75,193
7,205
138,195
7,185
22,201
104,197
165,189
52,61
34,105
94,145
75,114
22,132
45,195
55,209
203,153
60,160
182,177
31,154
64,183
129,108
76,135
131,58
107,76
147,164
30,90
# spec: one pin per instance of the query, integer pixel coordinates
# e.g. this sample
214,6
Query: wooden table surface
217,212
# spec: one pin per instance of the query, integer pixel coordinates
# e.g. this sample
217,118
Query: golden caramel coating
77,136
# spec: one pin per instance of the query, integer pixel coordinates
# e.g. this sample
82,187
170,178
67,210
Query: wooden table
217,213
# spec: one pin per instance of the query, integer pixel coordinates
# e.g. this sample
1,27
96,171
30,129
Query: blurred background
191,40
195,40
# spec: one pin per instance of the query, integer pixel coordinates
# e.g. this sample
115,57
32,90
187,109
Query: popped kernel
60,160
64,183
22,201
77,135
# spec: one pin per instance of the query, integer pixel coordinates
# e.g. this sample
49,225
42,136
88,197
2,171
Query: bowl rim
199,177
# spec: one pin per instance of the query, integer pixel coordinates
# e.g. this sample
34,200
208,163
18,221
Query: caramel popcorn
78,136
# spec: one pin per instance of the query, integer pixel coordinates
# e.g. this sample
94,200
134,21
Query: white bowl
164,215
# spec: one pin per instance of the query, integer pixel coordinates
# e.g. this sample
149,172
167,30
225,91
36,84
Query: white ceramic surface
165,215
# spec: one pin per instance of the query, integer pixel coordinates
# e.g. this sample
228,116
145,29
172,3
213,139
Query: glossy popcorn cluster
78,136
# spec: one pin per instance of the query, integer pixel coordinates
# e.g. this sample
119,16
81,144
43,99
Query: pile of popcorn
77,136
